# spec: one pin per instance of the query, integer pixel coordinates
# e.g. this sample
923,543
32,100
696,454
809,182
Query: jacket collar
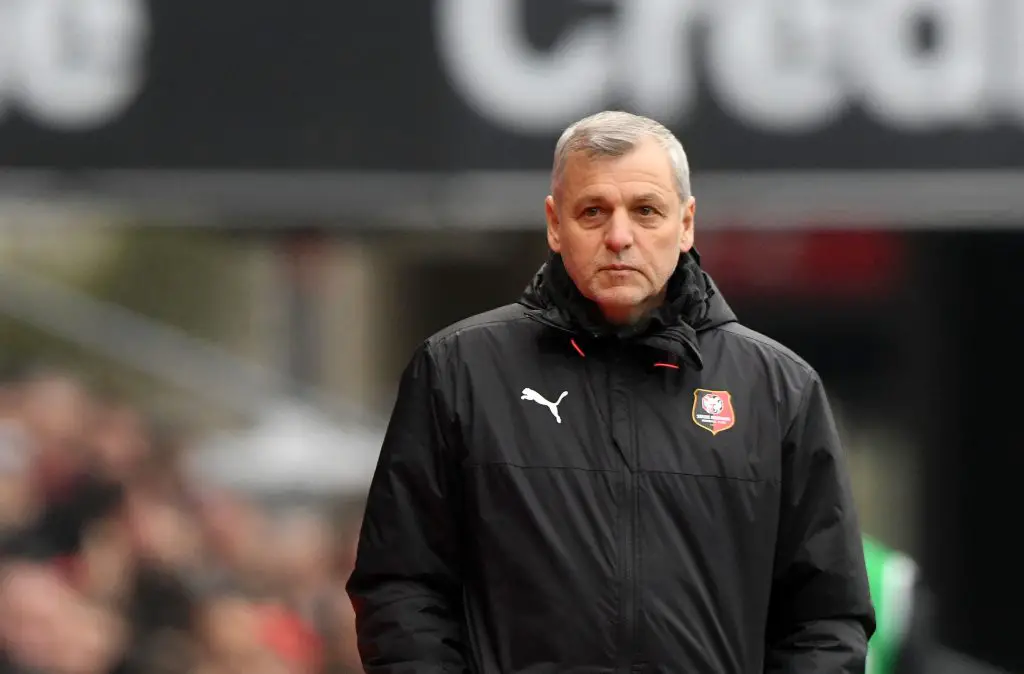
691,304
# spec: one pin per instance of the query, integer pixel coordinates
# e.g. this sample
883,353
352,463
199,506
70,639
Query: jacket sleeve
820,616
406,587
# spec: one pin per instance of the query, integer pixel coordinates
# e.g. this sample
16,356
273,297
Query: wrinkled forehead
618,187
645,169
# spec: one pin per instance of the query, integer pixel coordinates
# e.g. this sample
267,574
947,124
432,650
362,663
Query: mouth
618,267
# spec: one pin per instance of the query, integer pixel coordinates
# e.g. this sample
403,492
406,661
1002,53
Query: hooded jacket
554,495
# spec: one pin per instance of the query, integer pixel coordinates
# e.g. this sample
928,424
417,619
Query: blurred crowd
115,560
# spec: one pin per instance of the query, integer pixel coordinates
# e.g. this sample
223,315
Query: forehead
646,169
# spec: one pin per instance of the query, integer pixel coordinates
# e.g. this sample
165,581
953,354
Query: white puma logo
530,394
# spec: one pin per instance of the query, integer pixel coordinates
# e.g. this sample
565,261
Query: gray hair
613,134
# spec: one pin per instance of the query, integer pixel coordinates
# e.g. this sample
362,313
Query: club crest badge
712,410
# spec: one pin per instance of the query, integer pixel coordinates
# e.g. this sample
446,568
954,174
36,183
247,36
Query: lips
618,267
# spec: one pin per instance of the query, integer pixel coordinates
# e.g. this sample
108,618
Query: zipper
630,538
627,636
634,530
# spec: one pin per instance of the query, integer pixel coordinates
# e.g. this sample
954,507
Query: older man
612,475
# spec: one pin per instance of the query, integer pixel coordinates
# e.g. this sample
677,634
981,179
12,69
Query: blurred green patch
186,279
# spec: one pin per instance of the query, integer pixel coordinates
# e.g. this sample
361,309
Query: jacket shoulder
767,348
779,370
485,322
788,376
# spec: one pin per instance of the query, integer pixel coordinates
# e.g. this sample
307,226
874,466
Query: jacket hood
692,304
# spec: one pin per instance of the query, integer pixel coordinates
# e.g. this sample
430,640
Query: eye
647,211
591,212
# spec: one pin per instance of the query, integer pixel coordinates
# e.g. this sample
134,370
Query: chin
619,301
622,295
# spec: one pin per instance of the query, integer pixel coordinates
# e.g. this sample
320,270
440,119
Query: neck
682,299
626,316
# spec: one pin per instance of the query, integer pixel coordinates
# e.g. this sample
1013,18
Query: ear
551,213
686,231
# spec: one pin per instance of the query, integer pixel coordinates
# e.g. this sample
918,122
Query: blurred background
224,227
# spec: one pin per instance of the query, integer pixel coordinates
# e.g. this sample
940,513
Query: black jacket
555,497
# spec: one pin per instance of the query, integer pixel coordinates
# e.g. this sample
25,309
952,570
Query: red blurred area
847,265
114,558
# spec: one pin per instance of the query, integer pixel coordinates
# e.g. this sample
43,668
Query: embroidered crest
712,410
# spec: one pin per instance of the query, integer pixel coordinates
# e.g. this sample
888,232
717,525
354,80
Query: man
612,474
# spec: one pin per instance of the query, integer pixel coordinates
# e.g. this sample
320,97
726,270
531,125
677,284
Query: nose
619,232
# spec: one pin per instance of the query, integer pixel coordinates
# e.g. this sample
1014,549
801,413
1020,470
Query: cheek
581,250
663,258
575,265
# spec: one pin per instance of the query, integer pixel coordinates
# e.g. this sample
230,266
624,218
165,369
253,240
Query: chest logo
712,410
533,396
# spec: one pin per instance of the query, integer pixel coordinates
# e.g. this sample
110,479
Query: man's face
620,227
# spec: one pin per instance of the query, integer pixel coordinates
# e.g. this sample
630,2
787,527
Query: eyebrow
589,199
649,197
644,198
